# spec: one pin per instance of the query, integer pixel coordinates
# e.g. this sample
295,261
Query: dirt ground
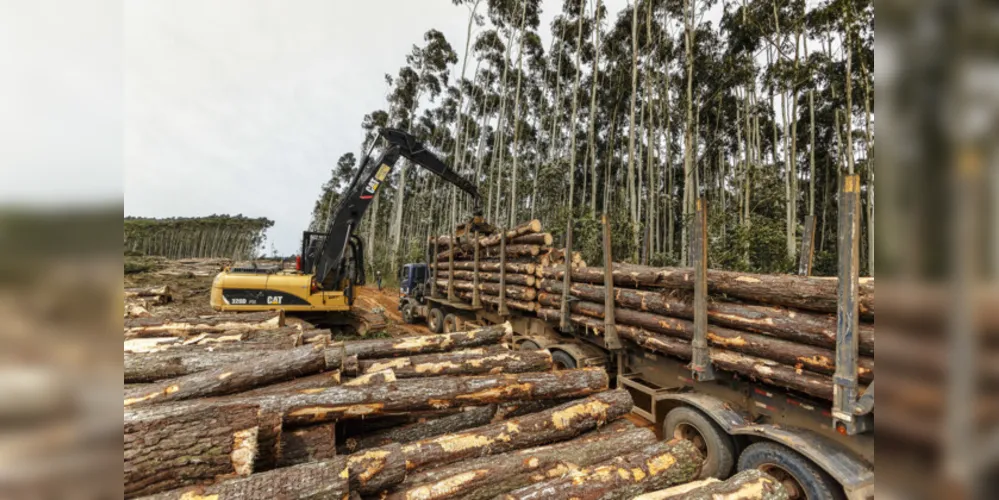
190,280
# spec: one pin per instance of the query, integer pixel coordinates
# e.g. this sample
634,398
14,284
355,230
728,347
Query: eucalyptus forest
758,107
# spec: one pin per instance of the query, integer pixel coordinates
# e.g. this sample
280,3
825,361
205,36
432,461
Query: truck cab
412,280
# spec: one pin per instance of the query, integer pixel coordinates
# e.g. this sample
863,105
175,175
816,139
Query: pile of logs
527,250
242,407
138,301
778,329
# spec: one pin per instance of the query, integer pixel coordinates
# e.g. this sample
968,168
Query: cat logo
274,300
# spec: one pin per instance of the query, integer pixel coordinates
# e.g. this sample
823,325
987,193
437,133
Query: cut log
747,485
153,366
801,292
232,378
763,370
435,393
149,291
555,424
473,362
515,251
511,278
515,292
507,411
491,267
493,300
422,344
310,481
372,378
808,357
466,419
283,337
376,469
312,443
532,226
319,380
172,446
162,327
653,467
487,477
542,239
795,325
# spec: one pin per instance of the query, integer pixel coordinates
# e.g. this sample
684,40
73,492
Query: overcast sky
243,106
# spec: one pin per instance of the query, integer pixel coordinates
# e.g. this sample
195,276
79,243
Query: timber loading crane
332,263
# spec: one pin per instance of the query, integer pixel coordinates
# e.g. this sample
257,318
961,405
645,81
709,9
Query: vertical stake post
476,300
701,367
450,266
611,339
433,282
807,253
564,323
503,311
847,313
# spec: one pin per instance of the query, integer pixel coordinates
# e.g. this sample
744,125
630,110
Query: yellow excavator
332,263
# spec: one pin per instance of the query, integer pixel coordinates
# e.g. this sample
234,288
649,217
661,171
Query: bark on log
312,443
507,411
802,292
487,477
654,467
373,378
149,291
515,292
472,362
515,251
471,417
163,327
493,300
173,446
422,344
281,338
532,226
436,393
808,357
310,481
747,485
798,326
492,267
511,278
232,378
542,239
556,424
319,380
763,370
153,366
376,469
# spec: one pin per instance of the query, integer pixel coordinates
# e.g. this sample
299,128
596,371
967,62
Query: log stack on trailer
258,413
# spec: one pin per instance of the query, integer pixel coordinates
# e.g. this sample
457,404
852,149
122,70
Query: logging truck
817,449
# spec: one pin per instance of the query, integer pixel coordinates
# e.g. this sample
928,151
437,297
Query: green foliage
235,237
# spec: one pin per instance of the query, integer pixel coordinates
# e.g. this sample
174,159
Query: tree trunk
516,292
494,267
803,292
434,393
485,478
815,359
747,485
471,362
421,344
653,467
310,481
511,279
153,366
245,340
543,239
556,424
232,378
793,325
312,443
493,300
376,469
317,381
466,419
164,327
173,446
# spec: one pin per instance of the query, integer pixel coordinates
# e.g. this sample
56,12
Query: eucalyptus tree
332,192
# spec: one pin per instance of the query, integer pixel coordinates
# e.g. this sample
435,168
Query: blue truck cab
412,280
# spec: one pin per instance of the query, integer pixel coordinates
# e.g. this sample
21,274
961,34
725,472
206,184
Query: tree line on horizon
233,237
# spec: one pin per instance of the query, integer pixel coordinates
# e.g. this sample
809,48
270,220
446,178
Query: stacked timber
527,250
455,415
777,329
139,301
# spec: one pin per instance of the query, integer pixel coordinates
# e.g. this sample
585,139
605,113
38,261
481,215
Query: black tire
435,320
563,361
800,476
408,316
450,323
713,442
529,345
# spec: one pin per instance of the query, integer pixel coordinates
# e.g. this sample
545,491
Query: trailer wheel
450,323
435,320
529,345
563,361
408,316
713,442
801,478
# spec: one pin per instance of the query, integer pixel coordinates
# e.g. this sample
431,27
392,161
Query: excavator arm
330,264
